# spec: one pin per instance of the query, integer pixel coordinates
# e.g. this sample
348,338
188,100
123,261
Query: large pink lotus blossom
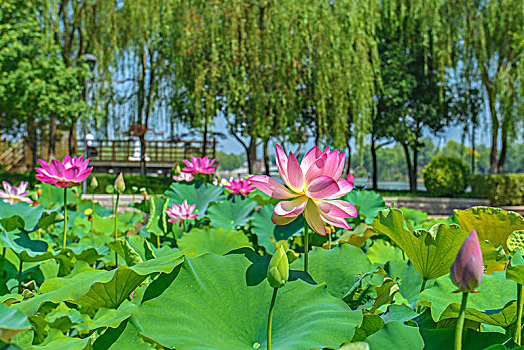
13,194
183,177
313,185
239,186
468,269
181,212
199,165
65,174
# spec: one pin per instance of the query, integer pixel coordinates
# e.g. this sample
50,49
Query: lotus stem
424,281
115,212
158,241
306,247
460,322
270,317
20,275
65,218
329,240
520,306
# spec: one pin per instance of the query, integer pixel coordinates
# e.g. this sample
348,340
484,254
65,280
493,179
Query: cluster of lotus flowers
311,188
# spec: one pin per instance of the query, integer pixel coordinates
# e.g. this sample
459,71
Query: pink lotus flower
468,269
240,186
199,165
181,212
65,174
13,194
183,177
313,186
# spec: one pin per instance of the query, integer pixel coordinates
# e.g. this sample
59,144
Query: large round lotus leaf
431,252
11,322
443,338
210,306
229,214
495,303
409,279
515,269
396,335
19,216
339,267
214,240
100,288
381,252
368,203
265,228
491,224
198,193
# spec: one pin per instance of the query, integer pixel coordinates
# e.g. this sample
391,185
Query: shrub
446,176
503,189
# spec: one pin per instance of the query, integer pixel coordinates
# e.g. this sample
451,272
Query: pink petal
322,187
281,220
312,216
291,208
340,168
281,161
84,174
338,208
351,179
271,187
7,186
57,168
345,187
316,169
309,158
294,173
334,221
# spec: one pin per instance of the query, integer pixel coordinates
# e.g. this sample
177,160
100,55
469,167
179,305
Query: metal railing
128,151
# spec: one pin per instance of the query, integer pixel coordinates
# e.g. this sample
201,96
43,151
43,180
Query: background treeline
389,71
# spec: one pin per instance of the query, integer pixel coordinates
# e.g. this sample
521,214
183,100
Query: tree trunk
72,139
374,161
410,167
142,155
348,164
494,134
52,137
503,150
472,148
252,155
204,140
266,158
33,142
413,188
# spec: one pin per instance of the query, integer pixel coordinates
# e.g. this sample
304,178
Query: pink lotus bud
468,270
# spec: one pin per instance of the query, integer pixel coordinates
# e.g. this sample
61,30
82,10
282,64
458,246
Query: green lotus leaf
410,281
414,217
491,224
20,216
265,228
11,322
396,335
124,249
100,288
125,336
431,252
213,240
53,197
230,214
370,324
400,313
25,248
368,204
495,303
58,341
515,270
208,304
340,267
381,252
157,222
199,193
443,338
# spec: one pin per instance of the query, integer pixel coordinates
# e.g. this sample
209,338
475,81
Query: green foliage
228,161
501,189
446,176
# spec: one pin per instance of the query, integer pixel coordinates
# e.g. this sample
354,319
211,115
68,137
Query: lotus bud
468,270
278,270
94,182
120,185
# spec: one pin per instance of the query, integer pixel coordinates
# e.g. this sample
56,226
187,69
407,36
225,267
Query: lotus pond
143,280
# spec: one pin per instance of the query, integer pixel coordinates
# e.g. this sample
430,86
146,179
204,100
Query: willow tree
492,30
276,68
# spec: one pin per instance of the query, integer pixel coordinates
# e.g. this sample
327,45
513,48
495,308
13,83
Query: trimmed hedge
153,184
446,176
503,189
